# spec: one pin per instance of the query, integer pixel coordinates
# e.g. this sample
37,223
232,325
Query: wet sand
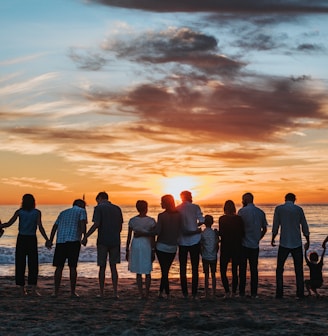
129,315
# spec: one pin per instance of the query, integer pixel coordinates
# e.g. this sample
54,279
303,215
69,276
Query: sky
140,98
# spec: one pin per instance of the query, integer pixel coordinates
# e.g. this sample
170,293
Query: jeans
165,261
26,246
252,255
194,252
297,254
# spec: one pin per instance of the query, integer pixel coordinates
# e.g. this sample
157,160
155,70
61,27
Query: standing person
231,231
315,266
108,219
255,225
189,241
70,226
140,257
27,244
209,250
168,229
290,218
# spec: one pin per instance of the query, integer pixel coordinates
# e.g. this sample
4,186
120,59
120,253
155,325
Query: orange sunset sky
142,98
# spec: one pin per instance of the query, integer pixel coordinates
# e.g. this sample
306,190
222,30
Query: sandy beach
129,315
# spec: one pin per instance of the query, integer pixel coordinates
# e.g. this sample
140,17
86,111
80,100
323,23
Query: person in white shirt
255,226
189,241
291,220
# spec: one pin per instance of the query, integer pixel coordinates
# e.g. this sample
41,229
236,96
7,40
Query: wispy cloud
33,182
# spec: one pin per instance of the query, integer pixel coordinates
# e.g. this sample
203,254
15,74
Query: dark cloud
309,47
222,112
279,6
180,45
87,60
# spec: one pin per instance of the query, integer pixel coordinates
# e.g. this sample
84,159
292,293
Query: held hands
306,246
273,242
48,244
84,241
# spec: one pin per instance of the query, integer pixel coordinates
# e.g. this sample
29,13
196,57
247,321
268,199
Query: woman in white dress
140,253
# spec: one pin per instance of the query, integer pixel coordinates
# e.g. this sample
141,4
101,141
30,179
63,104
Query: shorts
209,264
69,251
114,255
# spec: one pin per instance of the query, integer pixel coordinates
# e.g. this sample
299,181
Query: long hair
28,202
229,208
168,203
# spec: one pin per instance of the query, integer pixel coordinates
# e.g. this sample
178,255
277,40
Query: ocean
316,214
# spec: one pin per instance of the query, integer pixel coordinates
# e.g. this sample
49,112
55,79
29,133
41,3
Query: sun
174,185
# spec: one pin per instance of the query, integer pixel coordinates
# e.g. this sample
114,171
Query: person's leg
139,285
213,276
102,252
234,270
242,271
20,264
57,279
308,286
101,278
194,258
114,273
147,284
73,251
297,255
206,270
281,259
73,278
165,260
224,260
253,265
183,254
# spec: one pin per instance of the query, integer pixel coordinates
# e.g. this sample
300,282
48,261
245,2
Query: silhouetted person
108,220
189,241
139,254
69,226
209,250
231,231
27,244
290,219
316,280
255,225
168,229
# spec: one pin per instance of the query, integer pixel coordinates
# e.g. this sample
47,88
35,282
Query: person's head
247,198
208,220
314,257
290,197
102,196
80,203
229,208
168,203
28,202
186,196
142,206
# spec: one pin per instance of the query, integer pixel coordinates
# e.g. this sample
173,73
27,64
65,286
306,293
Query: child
209,250
315,267
141,257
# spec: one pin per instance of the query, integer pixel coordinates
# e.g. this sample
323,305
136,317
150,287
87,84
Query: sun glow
174,185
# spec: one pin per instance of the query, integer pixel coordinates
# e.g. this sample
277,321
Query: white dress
140,253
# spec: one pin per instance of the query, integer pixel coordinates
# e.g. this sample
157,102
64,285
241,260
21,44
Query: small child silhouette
315,267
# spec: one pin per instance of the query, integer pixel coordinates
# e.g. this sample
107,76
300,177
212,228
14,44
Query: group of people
176,230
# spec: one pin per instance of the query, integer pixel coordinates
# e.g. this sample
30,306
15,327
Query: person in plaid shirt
70,226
